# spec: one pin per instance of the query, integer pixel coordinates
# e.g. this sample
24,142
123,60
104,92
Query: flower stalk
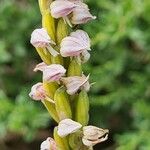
64,87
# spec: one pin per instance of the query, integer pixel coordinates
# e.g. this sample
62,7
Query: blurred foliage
120,66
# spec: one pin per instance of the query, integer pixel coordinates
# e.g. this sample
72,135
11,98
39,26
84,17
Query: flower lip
74,83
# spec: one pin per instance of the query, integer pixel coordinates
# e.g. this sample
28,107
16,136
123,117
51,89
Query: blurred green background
120,66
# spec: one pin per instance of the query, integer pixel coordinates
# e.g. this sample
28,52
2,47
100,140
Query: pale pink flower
40,67
37,92
61,8
81,14
74,83
53,72
93,135
41,39
79,10
48,144
68,126
77,43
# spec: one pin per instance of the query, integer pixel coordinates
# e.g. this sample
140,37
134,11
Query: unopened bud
82,108
62,104
49,24
51,109
46,57
62,31
75,68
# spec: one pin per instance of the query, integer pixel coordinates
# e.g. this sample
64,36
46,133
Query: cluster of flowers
74,46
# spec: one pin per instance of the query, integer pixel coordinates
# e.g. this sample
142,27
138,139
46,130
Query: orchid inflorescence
64,87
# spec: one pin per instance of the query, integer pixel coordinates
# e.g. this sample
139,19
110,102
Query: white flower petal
40,67
53,72
48,144
68,126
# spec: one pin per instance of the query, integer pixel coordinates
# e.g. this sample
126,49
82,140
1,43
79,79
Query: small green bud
51,109
63,108
62,31
49,24
75,68
61,142
45,57
82,108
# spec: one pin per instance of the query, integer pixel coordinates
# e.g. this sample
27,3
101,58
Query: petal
40,67
68,126
75,44
40,38
85,56
93,135
83,37
53,72
73,84
48,144
81,14
61,8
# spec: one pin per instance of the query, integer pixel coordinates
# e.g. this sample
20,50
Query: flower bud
49,24
75,44
62,31
68,126
41,39
82,108
81,14
62,104
76,83
53,72
38,92
51,109
48,144
61,142
75,68
93,135
46,57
